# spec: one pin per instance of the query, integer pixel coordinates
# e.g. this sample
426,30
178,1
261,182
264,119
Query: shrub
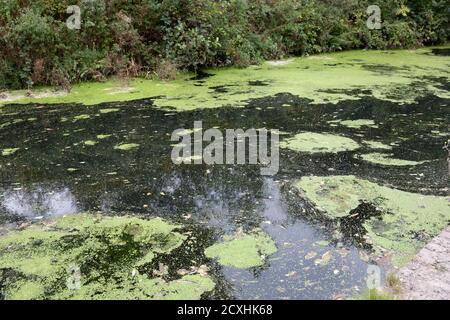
128,38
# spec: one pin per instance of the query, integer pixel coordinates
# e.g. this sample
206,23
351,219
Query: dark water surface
54,172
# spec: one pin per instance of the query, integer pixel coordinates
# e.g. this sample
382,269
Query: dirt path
427,277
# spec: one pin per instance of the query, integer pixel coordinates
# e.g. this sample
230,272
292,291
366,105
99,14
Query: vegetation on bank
155,38
400,76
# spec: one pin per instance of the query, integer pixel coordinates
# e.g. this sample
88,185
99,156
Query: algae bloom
376,145
310,142
103,136
90,142
243,251
355,124
109,110
404,215
10,151
93,257
126,146
82,117
388,160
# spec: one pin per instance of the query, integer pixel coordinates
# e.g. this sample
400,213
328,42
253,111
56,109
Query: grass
393,283
374,294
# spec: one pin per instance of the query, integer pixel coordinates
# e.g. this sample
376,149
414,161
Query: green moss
319,143
126,146
405,215
387,160
243,250
107,251
9,151
326,83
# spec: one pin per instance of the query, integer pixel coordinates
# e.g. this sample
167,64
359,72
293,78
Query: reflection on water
39,203
287,274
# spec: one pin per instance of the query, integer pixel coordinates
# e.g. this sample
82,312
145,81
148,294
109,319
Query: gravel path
427,276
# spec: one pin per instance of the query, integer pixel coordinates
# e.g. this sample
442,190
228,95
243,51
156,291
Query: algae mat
319,143
243,250
407,219
93,257
401,76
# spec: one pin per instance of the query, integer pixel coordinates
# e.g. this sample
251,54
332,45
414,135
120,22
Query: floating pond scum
93,207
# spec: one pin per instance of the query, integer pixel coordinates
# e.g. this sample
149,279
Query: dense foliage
158,37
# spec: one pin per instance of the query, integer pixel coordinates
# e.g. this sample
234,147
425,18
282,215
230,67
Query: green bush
142,37
28,38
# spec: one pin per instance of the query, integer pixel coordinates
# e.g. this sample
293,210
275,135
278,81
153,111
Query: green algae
126,146
189,287
103,136
5,125
81,117
26,290
436,133
330,78
140,287
243,251
109,110
105,250
311,142
356,124
388,160
90,142
405,215
9,151
376,145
